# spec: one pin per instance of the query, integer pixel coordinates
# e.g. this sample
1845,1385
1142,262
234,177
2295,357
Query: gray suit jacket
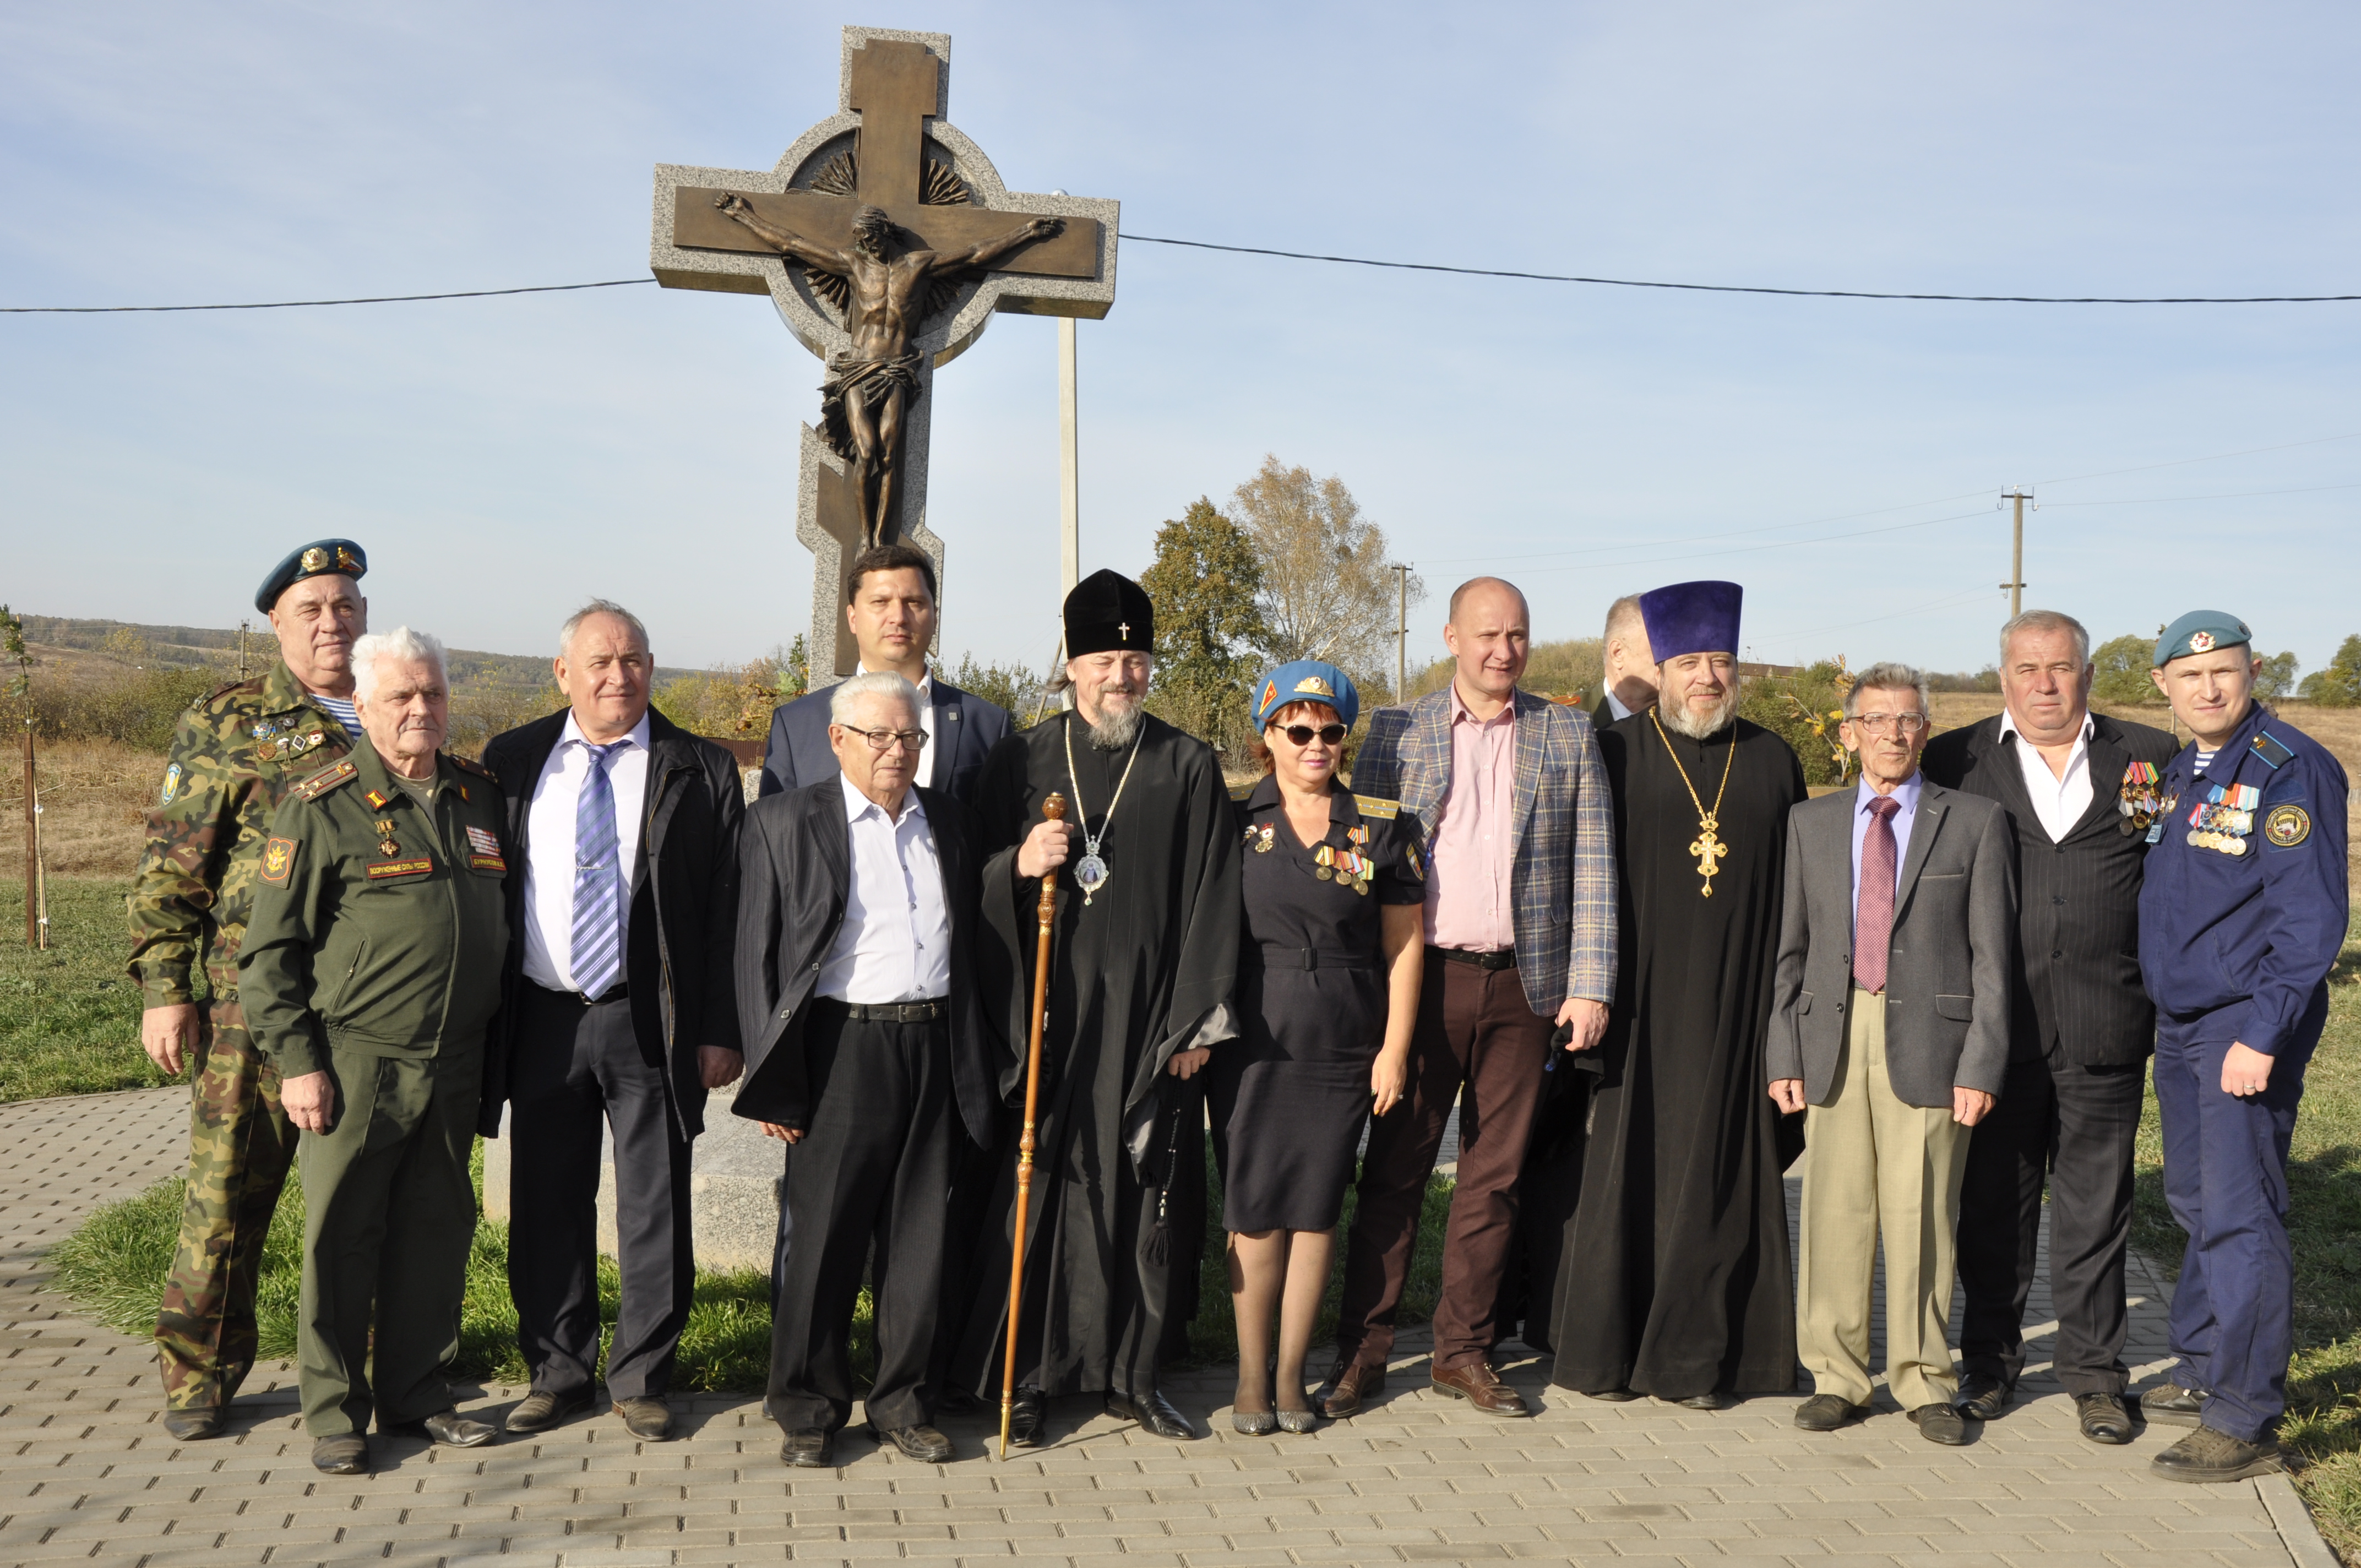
1947,986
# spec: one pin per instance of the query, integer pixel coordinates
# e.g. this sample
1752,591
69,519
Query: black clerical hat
316,559
1107,612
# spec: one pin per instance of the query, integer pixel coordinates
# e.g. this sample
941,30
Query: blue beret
1306,680
2201,631
1692,617
317,559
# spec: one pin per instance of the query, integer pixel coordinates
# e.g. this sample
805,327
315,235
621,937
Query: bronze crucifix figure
868,385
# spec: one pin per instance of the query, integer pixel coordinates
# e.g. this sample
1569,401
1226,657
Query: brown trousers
1475,1030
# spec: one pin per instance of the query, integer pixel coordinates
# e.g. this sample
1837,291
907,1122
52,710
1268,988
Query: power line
294,304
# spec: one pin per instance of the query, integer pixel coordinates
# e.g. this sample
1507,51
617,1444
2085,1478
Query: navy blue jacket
2240,944
966,728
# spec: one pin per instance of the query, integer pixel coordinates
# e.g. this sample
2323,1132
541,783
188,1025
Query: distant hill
134,641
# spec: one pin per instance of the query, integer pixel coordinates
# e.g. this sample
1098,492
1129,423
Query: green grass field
69,1015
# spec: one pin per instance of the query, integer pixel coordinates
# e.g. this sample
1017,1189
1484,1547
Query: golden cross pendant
1708,851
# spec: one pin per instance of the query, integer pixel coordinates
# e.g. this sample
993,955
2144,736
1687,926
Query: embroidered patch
488,863
1372,807
278,860
2287,825
417,865
172,783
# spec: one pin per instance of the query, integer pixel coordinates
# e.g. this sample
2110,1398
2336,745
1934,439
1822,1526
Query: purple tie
1873,916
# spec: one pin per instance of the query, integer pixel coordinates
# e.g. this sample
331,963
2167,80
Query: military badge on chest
277,739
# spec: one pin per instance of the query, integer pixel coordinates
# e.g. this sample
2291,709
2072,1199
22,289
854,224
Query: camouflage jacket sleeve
192,830
275,961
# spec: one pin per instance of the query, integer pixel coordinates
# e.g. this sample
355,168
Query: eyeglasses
1302,734
1898,723
883,739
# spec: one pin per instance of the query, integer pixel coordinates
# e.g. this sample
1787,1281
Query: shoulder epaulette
1372,807
326,779
2271,749
1240,792
468,764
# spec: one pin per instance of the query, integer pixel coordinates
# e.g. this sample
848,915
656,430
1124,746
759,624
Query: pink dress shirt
1469,890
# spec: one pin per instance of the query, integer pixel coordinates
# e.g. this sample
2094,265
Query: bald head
1498,584
1490,636
1628,666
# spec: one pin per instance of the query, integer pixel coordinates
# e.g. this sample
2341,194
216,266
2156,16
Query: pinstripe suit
2082,1027
1486,1030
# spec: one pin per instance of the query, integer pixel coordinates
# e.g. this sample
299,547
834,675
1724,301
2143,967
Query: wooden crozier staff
1054,811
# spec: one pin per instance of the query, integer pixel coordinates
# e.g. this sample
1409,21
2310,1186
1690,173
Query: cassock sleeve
1199,1013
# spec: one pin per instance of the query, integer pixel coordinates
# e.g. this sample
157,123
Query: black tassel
1157,1250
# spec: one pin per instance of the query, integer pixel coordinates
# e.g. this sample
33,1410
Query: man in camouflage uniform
234,756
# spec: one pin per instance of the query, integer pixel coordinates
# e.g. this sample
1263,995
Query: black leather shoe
1708,1401
1941,1423
2172,1405
1612,1396
2105,1418
1983,1397
538,1412
452,1430
194,1425
922,1444
2206,1455
648,1417
1826,1412
1154,1413
1025,1419
810,1448
346,1453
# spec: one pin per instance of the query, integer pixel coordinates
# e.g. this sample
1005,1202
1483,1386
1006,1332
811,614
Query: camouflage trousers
240,1146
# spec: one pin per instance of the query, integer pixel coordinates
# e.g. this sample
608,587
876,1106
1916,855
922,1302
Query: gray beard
1116,728
1681,720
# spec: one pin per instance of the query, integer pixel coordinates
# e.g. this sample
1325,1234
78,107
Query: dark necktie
1873,918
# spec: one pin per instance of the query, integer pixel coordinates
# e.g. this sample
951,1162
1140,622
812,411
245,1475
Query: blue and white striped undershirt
341,709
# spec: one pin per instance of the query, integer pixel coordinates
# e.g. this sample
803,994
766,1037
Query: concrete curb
2300,1536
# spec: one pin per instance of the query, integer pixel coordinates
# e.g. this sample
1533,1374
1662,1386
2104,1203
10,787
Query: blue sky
503,458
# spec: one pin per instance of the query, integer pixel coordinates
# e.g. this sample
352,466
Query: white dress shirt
1615,707
2058,802
928,765
549,847
895,943
1905,813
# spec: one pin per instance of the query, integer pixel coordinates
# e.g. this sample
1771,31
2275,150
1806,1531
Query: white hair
598,607
848,694
2047,621
1888,676
402,643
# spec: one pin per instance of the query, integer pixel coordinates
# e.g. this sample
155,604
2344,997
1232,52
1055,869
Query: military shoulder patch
326,779
1385,810
2287,825
2271,749
1239,792
466,766
172,784
278,861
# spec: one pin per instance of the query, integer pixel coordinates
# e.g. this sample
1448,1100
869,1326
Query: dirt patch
94,796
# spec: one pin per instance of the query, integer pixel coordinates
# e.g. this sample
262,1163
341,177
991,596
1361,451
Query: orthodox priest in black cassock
1672,1273
1144,956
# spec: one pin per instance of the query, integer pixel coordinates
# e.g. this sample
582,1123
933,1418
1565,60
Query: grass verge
69,1015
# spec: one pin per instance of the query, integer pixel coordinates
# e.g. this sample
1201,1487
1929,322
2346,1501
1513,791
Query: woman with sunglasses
1328,980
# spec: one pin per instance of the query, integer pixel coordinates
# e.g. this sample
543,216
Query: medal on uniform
385,845
1323,859
1707,845
1263,839
1090,871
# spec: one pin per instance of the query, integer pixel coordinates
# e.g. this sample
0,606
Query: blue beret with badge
317,559
1306,680
2201,631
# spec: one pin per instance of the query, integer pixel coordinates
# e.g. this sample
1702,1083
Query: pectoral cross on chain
1708,851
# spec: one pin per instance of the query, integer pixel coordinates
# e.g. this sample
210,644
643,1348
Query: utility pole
1401,640
12,636
2016,584
241,649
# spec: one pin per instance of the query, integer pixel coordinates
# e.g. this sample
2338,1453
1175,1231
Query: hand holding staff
1054,811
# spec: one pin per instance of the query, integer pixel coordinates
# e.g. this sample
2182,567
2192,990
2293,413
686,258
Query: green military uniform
234,756
374,954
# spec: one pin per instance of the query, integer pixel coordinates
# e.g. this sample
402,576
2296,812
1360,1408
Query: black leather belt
1496,959
1310,958
615,992
884,1012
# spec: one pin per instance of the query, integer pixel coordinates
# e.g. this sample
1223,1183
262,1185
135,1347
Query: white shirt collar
857,805
2008,723
572,735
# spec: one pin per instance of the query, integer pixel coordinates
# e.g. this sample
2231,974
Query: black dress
1290,1096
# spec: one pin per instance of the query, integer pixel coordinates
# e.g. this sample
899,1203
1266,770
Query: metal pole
1070,468
32,851
1401,640
2016,584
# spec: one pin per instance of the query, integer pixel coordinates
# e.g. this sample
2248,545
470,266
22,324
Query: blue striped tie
597,957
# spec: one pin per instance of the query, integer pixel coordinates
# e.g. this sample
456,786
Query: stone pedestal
733,1193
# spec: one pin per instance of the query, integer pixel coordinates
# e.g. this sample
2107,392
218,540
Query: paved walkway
86,1472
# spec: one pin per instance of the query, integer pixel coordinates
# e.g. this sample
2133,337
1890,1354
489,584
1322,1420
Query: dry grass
94,796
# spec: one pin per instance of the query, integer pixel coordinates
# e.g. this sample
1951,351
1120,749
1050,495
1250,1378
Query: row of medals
1348,868
295,745
2223,818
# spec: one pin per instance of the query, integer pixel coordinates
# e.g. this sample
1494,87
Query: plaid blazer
1564,875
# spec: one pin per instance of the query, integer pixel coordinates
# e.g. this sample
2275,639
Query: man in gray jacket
1889,1030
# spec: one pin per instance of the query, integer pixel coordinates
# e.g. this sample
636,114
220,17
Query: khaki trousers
1873,1164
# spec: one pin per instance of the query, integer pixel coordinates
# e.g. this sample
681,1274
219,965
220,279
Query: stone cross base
733,1188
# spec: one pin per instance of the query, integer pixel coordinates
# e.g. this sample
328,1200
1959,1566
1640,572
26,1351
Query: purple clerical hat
1692,617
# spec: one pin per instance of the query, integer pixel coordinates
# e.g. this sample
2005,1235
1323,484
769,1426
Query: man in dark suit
1889,1028
619,1008
2080,791
1627,665
890,609
865,1040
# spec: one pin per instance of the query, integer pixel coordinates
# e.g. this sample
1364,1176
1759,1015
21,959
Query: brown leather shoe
1348,1387
1481,1387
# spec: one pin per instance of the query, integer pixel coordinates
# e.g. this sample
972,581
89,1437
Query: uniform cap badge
2200,642
316,559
